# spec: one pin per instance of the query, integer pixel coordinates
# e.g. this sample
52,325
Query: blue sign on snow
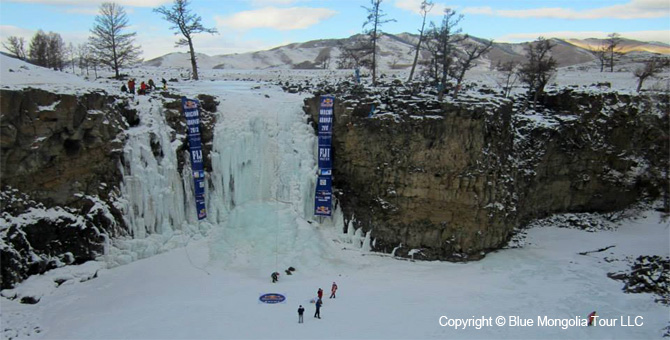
272,298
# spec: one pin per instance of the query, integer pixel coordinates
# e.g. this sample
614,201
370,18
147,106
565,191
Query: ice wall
262,184
152,191
260,193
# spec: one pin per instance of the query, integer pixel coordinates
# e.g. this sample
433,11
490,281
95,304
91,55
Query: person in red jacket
319,293
143,88
131,86
333,289
592,318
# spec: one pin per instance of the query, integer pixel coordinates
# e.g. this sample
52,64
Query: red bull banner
191,109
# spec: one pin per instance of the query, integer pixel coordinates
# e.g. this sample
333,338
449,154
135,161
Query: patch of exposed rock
451,180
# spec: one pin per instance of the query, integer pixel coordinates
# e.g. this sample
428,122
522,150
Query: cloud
415,7
263,3
659,36
129,3
282,19
156,46
84,10
635,9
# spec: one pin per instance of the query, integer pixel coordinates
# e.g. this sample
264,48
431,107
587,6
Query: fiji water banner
323,200
192,114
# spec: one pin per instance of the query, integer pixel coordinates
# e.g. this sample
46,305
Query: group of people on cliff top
144,87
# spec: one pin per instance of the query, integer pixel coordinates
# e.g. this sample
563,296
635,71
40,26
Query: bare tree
508,76
71,56
112,47
323,58
38,53
55,51
83,57
601,53
613,51
426,6
16,46
355,53
375,19
443,40
539,68
473,51
187,24
650,69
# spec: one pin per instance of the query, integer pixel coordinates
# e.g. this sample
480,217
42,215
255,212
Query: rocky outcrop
55,146
60,176
61,163
452,180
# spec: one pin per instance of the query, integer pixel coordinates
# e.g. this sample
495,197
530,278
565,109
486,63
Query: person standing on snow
164,83
131,86
275,277
317,314
319,293
333,289
300,311
152,85
592,318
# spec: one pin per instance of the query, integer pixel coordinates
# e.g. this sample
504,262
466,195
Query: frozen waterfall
260,193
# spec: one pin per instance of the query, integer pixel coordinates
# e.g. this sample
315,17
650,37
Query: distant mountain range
395,52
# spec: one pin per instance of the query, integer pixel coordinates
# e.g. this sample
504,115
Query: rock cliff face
54,146
60,174
453,180
61,160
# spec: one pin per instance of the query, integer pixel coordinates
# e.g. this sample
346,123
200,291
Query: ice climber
333,289
275,277
592,318
317,314
131,86
301,310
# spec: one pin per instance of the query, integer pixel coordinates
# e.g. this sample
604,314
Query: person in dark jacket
275,277
164,83
124,88
317,314
300,311
152,85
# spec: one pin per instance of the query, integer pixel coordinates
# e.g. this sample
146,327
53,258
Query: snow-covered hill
395,51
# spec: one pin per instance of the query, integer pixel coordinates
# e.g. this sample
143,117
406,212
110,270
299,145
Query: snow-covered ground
210,288
190,294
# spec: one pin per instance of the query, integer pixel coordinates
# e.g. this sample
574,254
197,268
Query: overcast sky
250,25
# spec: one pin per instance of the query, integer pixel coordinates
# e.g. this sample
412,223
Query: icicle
366,241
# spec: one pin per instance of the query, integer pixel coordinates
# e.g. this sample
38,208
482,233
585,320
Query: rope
277,198
189,256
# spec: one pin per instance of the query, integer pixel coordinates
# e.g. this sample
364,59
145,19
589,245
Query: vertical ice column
151,186
263,156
